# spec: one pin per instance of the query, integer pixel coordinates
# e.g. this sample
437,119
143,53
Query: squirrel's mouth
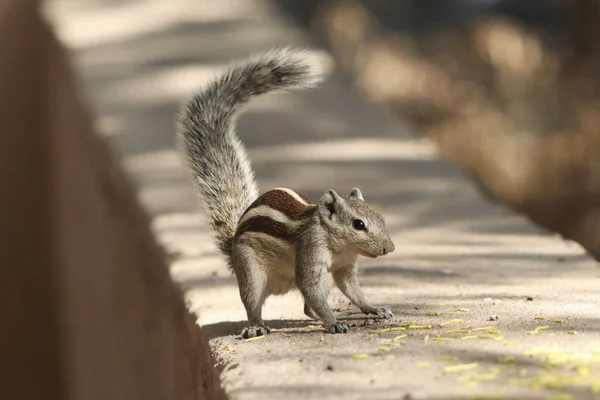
368,254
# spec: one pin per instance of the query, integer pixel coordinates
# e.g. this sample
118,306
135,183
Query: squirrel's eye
358,225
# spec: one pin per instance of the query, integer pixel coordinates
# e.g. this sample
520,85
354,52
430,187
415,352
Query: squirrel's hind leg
252,283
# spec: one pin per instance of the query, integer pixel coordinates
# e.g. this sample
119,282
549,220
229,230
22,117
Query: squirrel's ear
357,193
330,201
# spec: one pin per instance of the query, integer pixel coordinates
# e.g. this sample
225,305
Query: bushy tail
206,132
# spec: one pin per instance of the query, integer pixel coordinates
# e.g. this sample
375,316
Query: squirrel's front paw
338,327
384,312
254,331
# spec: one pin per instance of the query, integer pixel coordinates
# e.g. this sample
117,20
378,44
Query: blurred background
507,89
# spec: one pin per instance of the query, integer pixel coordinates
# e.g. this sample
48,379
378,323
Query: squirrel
279,240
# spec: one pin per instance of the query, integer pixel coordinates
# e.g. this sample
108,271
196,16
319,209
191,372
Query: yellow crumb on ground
358,356
490,337
583,369
448,358
485,396
542,328
451,321
537,329
377,331
463,331
559,396
419,326
252,339
442,339
460,367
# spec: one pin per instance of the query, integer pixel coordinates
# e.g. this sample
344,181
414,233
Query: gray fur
284,240
328,241
337,213
206,132
321,249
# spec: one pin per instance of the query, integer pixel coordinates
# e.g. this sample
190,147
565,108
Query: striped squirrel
279,240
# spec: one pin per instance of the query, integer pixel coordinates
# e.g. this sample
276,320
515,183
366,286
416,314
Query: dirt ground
491,306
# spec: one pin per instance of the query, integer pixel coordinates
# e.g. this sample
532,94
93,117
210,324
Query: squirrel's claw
384,312
254,331
339,327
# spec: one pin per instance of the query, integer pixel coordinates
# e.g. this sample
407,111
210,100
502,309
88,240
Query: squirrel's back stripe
267,226
297,196
286,201
267,211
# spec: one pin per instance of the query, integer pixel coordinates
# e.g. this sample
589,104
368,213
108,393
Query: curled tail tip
293,67
279,68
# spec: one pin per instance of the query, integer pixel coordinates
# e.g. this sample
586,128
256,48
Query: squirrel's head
354,225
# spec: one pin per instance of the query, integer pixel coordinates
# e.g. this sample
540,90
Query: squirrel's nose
388,247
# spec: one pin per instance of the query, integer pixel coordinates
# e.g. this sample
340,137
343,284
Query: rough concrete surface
139,60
